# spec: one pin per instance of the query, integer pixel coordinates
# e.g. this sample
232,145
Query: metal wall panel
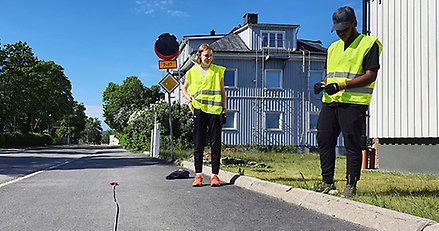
405,102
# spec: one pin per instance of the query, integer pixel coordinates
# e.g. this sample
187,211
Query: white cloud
178,13
150,7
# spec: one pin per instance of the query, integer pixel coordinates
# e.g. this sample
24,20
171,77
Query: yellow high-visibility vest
206,90
345,65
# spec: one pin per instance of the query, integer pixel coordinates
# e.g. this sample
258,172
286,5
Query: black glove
332,88
318,87
223,118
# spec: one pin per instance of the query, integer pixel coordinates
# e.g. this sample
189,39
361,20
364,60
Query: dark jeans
333,119
210,125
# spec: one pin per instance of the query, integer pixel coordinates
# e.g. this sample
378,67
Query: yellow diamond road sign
169,83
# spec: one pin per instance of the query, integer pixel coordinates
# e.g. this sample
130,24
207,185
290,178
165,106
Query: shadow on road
108,161
24,162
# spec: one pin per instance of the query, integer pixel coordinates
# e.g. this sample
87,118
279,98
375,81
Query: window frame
235,84
276,40
281,78
281,125
313,113
312,82
235,121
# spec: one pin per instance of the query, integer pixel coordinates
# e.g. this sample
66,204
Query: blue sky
102,41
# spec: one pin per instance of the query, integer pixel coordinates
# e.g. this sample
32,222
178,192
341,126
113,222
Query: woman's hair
203,47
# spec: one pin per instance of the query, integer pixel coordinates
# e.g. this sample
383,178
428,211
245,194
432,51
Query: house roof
240,28
233,43
230,42
309,45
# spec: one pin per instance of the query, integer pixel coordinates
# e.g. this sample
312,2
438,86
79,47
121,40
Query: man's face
346,33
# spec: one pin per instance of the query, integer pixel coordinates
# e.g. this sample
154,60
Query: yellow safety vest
206,90
344,65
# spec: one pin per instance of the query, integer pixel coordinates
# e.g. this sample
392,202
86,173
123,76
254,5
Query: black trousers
348,119
207,125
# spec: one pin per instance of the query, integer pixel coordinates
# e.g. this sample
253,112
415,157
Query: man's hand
318,87
334,88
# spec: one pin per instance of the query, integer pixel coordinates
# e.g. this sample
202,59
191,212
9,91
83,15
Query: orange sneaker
198,182
214,181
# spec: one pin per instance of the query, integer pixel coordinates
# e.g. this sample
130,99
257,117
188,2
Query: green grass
415,194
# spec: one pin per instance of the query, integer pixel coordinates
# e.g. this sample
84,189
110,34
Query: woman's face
206,57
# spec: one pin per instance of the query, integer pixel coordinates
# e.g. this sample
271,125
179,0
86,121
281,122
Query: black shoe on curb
326,188
349,191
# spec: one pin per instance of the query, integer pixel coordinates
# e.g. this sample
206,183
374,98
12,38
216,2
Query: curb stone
352,211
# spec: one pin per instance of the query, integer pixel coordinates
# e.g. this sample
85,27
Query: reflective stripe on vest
345,65
206,90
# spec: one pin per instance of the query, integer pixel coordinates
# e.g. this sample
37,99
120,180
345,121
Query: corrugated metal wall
405,101
251,103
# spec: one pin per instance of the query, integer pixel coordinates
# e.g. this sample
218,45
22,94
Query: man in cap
351,70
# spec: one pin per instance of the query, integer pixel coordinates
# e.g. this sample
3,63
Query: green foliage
18,139
131,108
33,93
137,135
73,125
120,102
92,133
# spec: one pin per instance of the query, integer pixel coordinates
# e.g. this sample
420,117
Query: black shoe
326,188
349,191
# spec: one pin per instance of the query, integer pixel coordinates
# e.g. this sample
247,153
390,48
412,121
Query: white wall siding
245,36
405,102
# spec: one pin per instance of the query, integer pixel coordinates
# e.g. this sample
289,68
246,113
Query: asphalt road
76,195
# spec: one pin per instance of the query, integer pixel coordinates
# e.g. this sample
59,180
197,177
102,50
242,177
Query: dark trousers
207,125
348,119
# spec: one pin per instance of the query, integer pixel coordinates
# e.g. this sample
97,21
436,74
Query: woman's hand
189,99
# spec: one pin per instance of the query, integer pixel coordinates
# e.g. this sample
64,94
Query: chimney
212,32
250,18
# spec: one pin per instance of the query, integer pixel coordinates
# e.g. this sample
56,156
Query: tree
52,95
93,131
73,125
121,101
33,93
15,85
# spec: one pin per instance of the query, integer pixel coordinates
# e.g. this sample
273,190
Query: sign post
166,47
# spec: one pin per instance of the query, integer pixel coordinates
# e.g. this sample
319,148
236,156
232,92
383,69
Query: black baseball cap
343,18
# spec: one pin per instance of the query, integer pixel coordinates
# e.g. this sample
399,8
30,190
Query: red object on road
114,183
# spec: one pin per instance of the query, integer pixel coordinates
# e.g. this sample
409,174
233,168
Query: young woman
204,90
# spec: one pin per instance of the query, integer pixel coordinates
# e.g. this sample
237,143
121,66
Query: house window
280,40
313,118
232,121
273,121
273,39
315,77
273,78
230,78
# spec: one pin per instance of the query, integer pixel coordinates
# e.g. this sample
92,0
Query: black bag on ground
178,174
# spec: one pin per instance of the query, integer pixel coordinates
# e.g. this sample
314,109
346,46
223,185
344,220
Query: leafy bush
137,135
18,139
